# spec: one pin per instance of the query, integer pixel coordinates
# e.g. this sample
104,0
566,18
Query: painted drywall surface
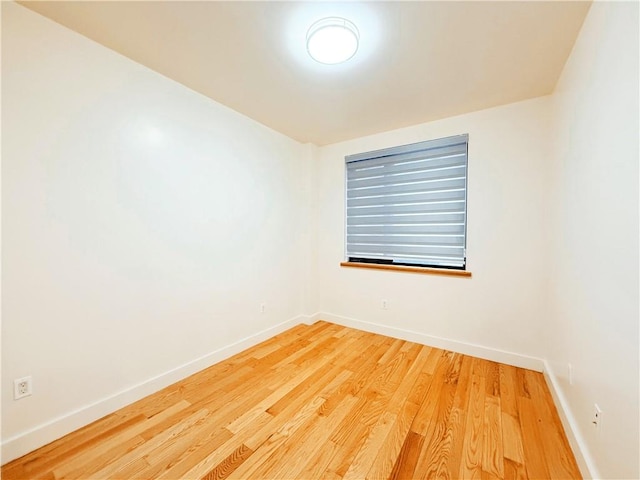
143,224
502,305
312,285
594,272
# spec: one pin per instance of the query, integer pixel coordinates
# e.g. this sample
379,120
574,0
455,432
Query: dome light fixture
332,40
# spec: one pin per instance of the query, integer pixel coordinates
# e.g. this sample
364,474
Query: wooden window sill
404,268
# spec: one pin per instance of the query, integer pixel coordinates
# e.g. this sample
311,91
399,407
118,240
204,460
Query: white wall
502,305
594,272
143,225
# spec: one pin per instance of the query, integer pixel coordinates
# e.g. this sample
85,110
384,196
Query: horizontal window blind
407,205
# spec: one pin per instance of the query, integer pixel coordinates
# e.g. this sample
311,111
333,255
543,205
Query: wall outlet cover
22,387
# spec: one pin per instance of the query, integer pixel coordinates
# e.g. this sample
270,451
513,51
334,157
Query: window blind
407,205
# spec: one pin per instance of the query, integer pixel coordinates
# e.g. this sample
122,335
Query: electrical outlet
22,387
597,417
263,307
385,305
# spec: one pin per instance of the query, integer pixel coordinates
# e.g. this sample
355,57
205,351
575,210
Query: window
407,205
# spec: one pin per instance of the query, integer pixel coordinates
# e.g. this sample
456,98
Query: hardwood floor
325,402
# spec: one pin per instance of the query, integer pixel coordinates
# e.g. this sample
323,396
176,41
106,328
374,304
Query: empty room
320,240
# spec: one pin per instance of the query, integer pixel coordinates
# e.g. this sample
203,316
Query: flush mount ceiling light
332,40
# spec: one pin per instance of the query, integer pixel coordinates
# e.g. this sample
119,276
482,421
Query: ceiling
418,61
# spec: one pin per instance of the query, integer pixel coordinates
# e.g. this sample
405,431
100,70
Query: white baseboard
493,354
27,441
585,462
306,319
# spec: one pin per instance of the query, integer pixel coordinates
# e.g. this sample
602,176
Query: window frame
394,152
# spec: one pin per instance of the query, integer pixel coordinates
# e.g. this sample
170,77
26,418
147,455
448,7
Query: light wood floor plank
405,463
514,470
431,397
318,463
457,419
533,442
119,467
271,446
327,402
383,463
115,448
306,442
369,451
349,443
492,448
556,444
438,436
508,384
471,464
512,437
229,464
